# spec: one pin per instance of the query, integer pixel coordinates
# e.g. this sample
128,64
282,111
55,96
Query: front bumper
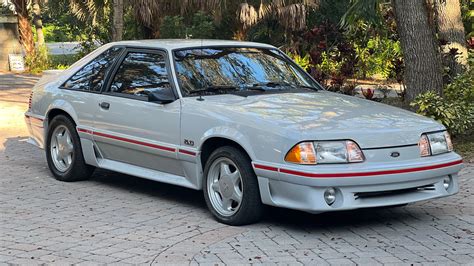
362,185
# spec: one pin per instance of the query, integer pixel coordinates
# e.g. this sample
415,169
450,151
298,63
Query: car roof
172,44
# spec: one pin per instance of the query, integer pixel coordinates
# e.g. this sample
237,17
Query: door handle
104,105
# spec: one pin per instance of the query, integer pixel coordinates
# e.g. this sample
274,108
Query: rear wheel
64,151
231,188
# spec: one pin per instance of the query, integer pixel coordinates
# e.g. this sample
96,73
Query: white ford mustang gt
240,121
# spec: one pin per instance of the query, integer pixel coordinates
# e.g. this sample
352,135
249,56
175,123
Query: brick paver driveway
117,218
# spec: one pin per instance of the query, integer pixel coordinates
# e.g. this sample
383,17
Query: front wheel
64,152
231,188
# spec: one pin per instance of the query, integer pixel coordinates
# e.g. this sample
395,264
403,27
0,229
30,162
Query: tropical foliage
455,109
200,26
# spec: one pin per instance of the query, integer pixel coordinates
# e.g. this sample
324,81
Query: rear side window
91,76
141,74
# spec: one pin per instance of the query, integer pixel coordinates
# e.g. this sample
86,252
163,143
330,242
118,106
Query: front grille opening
374,194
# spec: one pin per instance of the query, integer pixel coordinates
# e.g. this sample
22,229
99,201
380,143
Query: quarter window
141,74
91,76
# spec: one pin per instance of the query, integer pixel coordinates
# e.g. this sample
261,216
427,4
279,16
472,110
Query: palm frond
290,13
363,10
89,9
247,15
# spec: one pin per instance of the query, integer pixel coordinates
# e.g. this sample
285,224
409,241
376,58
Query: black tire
78,169
251,208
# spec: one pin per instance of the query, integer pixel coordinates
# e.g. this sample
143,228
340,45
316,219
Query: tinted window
91,76
238,68
140,74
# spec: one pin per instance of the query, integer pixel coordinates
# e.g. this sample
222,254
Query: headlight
325,152
435,143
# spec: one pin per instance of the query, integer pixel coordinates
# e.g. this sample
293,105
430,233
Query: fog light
447,182
330,196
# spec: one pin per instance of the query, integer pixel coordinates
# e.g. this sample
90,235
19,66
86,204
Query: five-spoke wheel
225,186
231,188
61,148
64,152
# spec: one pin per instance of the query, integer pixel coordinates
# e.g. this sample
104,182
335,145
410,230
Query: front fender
230,134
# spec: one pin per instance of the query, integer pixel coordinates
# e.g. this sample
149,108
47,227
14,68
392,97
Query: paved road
114,218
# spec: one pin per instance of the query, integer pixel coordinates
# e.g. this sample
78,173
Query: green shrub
201,26
86,47
456,108
455,115
173,27
303,62
42,60
39,61
330,63
462,87
377,57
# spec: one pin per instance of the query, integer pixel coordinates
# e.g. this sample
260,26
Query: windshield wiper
273,84
214,89
308,87
225,88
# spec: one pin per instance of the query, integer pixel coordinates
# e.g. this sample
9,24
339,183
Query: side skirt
145,173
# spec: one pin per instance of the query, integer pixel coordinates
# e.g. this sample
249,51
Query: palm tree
117,20
291,14
423,67
24,26
37,21
150,13
451,34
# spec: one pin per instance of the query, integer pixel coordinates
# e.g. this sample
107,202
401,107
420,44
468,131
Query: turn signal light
302,153
424,145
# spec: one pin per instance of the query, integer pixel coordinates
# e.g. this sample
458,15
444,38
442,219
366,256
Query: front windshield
239,69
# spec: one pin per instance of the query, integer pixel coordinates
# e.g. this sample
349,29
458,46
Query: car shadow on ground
15,152
273,215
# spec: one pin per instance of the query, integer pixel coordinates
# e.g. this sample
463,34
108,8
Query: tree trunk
423,68
117,21
38,22
24,27
451,35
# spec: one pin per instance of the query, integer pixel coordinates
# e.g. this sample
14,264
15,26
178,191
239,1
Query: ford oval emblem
395,154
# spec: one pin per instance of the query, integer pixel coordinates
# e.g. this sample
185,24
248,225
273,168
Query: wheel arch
55,112
213,142
62,108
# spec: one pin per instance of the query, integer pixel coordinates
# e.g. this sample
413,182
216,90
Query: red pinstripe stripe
385,172
85,131
155,146
187,152
265,167
135,142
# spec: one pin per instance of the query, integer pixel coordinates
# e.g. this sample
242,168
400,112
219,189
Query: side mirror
161,98
114,88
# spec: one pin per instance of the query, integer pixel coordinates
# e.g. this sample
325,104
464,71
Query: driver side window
141,74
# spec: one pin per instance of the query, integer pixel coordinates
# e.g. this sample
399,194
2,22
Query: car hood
326,116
